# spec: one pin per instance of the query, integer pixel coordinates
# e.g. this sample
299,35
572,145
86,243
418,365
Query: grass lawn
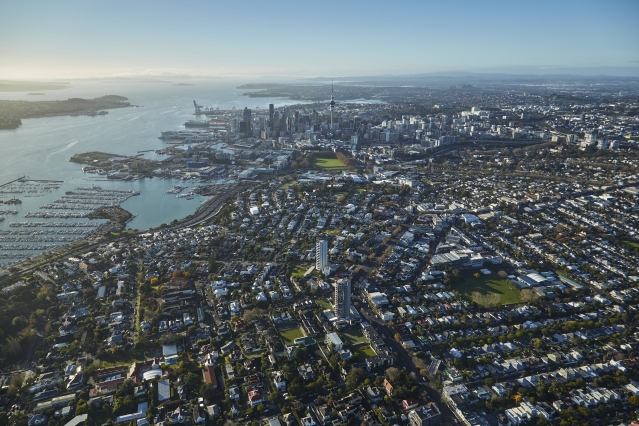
632,243
327,163
489,284
109,360
287,185
324,304
362,352
354,336
289,336
332,231
299,271
254,354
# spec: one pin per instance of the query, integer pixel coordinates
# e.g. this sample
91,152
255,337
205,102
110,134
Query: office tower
235,125
271,112
321,255
342,306
276,123
248,118
296,119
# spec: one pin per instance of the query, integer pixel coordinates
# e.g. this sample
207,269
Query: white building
321,255
333,340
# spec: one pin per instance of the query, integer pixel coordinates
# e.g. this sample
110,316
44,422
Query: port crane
198,108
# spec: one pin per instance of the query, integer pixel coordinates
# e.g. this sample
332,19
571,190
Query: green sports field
489,284
327,163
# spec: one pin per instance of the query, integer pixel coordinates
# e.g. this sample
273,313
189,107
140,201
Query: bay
41,147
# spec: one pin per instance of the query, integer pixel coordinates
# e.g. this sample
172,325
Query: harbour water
41,149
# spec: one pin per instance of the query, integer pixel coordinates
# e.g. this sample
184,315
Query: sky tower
332,104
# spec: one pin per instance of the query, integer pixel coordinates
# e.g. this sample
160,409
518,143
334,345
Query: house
255,397
274,421
209,376
164,390
308,421
409,403
323,413
333,341
279,381
214,411
234,393
306,371
289,419
37,420
387,387
374,394
199,414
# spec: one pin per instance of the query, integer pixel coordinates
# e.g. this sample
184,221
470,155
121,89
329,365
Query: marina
40,236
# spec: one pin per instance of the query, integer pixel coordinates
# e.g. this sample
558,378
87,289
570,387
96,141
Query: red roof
410,402
209,375
255,395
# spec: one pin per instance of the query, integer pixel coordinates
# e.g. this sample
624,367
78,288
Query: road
405,361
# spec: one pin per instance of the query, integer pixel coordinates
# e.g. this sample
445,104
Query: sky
85,38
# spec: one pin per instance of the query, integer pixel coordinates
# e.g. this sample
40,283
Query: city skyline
79,40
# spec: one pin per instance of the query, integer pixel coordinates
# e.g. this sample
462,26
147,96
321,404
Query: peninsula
30,86
12,112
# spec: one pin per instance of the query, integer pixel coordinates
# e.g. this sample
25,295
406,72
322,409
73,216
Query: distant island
34,93
12,112
135,81
184,84
30,86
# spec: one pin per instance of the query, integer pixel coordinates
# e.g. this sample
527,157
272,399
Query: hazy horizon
74,39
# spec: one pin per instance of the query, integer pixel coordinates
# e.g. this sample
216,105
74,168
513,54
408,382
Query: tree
518,399
254,314
81,407
276,397
529,295
393,375
354,378
633,400
489,300
193,380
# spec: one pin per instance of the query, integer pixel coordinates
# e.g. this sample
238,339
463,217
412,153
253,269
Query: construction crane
198,108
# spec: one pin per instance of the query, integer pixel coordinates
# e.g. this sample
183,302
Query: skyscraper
276,124
271,111
342,305
321,255
249,122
